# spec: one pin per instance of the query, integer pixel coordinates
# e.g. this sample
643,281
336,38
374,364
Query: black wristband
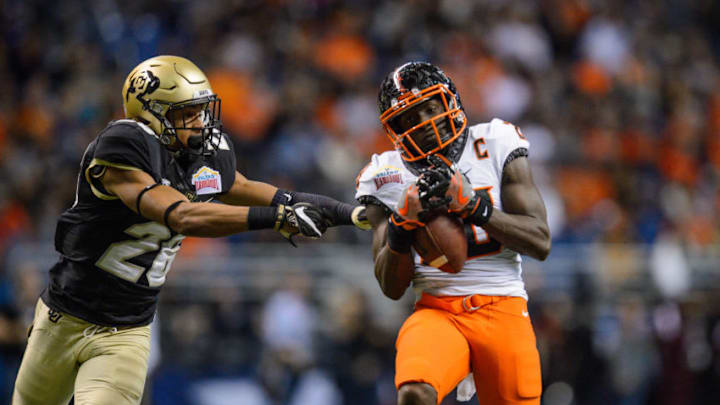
398,239
170,209
140,195
482,211
339,213
262,217
283,197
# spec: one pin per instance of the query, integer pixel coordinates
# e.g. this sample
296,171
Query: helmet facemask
447,125
207,139
405,88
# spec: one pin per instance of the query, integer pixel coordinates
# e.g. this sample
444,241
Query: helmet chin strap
167,134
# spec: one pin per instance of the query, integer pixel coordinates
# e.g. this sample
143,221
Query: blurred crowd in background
619,99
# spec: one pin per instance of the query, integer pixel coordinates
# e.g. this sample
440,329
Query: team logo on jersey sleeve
206,181
387,174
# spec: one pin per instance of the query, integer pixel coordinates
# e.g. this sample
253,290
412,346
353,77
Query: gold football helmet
164,84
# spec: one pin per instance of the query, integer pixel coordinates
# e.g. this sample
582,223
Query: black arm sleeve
339,213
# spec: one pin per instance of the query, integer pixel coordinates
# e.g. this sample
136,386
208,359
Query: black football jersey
113,261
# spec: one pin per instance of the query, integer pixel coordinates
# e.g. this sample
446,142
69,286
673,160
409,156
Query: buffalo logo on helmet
143,82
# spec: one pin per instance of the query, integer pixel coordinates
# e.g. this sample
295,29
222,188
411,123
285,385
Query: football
441,243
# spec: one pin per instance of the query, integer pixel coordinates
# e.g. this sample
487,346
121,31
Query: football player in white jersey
474,322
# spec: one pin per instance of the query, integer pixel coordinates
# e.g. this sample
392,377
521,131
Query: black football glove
302,218
447,187
432,187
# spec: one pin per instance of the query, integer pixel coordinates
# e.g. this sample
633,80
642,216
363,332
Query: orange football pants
447,337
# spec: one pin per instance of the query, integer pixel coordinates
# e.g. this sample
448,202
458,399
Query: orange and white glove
466,202
403,222
409,209
460,193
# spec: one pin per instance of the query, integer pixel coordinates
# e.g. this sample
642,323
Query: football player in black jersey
145,183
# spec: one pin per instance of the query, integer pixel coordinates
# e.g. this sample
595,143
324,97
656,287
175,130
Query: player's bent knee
417,394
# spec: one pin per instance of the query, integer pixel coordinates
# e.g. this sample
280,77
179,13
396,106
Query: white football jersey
490,269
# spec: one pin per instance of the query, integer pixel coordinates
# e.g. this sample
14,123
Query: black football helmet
409,85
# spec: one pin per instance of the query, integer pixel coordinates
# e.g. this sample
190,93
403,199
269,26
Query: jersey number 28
151,237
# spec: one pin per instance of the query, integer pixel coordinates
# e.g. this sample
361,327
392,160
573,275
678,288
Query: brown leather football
442,243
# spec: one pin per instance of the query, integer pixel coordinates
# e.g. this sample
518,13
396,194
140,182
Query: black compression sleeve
262,217
340,212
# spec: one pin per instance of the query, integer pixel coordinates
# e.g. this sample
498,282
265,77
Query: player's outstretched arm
522,223
163,204
393,269
249,192
245,192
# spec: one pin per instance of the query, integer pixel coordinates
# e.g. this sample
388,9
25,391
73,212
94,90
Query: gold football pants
66,355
